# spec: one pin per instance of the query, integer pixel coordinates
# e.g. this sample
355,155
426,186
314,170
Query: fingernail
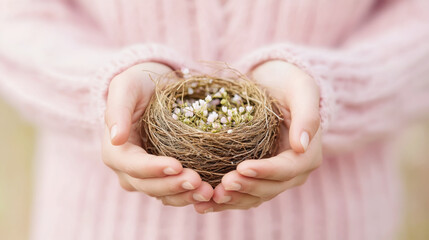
187,186
170,171
199,197
225,199
208,210
304,140
113,132
249,173
233,187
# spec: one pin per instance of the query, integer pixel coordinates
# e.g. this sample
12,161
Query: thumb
121,102
129,93
303,103
298,93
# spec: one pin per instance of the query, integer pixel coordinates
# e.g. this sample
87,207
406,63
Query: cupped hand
157,176
300,150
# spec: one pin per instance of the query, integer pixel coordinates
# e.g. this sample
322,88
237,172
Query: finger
264,189
202,194
286,165
134,161
303,102
298,94
128,94
221,196
123,182
159,187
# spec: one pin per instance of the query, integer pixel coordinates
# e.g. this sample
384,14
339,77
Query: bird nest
210,124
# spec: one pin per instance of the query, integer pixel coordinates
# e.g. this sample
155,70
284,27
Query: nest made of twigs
211,154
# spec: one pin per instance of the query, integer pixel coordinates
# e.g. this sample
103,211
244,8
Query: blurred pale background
16,151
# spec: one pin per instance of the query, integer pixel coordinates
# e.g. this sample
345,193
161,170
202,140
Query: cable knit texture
369,57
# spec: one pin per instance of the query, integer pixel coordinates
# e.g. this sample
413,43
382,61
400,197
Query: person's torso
225,30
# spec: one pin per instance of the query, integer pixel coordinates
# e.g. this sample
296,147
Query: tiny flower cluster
217,111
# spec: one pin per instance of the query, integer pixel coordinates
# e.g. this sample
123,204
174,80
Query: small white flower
208,98
241,109
236,98
196,106
229,119
185,70
216,125
174,116
223,120
212,117
249,108
189,112
190,91
217,95
188,109
234,111
229,131
229,112
202,102
177,110
222,90
224,109
205,112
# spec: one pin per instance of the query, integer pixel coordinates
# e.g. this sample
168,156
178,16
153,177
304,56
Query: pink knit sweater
370,58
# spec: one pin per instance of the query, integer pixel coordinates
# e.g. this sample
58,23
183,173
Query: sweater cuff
290,54
125,59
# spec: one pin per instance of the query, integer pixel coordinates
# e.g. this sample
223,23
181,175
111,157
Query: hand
156,176
300,150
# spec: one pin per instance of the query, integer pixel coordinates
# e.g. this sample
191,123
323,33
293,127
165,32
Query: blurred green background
17,149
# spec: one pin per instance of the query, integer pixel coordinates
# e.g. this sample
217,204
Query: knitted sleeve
372,84
55,65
